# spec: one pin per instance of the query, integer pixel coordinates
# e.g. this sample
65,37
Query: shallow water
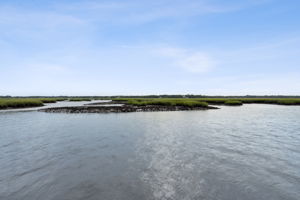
249,152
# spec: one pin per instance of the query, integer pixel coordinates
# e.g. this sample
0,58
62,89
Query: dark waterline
249,152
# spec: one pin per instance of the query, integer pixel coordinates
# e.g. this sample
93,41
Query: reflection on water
248,152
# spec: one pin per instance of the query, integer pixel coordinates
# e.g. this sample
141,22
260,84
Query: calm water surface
244,153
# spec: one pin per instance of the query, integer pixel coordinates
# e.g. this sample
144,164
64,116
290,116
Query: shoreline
133,105
122,109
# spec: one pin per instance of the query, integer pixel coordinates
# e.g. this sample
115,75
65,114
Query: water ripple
249,152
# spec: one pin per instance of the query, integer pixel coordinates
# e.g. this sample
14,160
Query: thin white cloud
47,68
26,18
139,12
285,48
57,16
191,61
197,62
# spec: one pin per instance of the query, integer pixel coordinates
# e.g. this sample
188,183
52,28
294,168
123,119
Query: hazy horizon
130,47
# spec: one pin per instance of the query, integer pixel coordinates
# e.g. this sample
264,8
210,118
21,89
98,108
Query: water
243,153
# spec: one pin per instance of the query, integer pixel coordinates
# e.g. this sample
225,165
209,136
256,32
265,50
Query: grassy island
233,103
169,103
19,103
6,103
206,101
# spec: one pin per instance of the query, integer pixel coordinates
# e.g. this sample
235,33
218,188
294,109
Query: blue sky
212,47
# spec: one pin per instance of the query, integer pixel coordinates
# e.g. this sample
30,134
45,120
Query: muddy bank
121,109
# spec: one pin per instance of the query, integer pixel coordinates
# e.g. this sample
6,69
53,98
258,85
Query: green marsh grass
212,101
19,103
26,102
165,102
233,103
50,100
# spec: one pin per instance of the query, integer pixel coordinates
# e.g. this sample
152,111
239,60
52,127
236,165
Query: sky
138,47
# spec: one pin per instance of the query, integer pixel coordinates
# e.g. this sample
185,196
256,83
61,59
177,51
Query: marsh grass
19,103
6,103
165,102
26,102
233,103
212,101
51,100
289,102
189,102
286,101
